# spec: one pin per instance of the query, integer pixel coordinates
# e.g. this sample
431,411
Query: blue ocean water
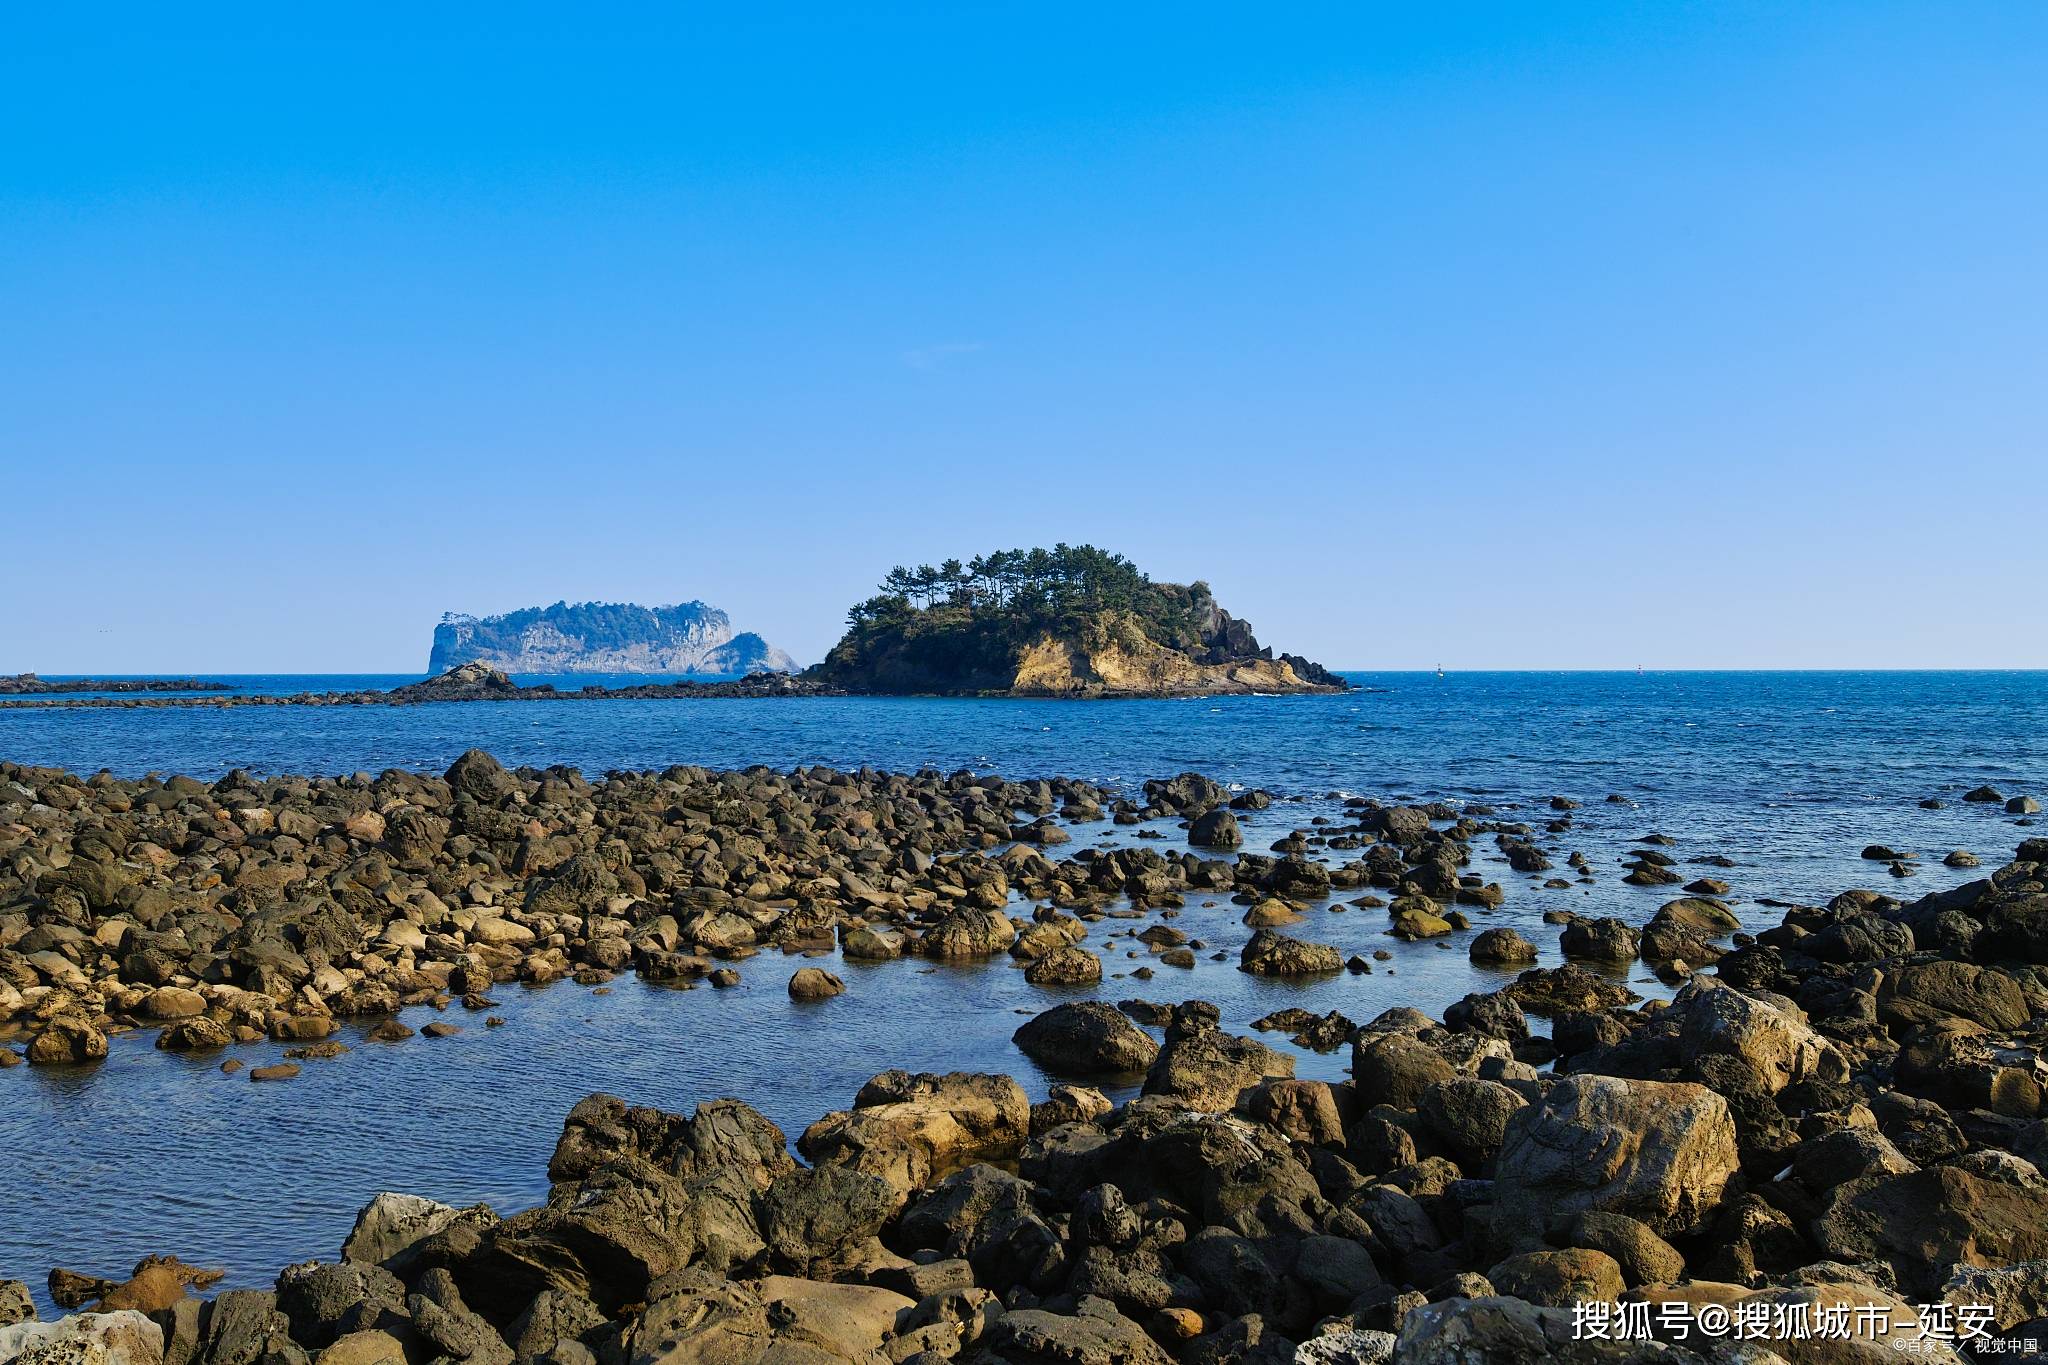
1790,774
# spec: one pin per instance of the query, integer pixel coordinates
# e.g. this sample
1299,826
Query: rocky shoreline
29,685
464,682
1836,1120
482,683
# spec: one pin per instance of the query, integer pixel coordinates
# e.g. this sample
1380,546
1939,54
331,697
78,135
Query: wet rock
1271,954
1555,990
1599,940
1065,966
194,1035
815,983
67,1040
279,1071
1501,947
1086,1038
1215,829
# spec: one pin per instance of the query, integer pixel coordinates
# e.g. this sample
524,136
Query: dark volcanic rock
1086,1038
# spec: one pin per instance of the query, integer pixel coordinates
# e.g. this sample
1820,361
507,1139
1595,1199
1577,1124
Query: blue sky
1490,335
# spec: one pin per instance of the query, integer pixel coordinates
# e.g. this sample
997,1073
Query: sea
1791,775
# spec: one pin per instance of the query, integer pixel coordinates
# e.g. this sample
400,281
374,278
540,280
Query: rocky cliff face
603,637
1107,654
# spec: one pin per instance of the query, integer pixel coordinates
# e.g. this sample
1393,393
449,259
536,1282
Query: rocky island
1073,621
689,638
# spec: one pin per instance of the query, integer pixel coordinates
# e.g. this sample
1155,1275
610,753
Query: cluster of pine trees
1034,588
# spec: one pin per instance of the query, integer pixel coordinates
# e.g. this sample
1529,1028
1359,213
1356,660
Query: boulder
1497,1330
811,1218
1599,940
1086,1038
1301,1111
1065,966
392,1223
194,1035
1662,1153
67,1040
1558,1279
1094,1334
1346,1346
1272,954
1928,992
2014,1293
1209,1069
1396,1069
1769,1033
1925,1223
967,933
1215,829
1501,947
123,1338
15,1303
814,983
1470,1116
912,1129
1642,1256
848,1320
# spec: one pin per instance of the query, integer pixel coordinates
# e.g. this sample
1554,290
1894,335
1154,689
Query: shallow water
1791,774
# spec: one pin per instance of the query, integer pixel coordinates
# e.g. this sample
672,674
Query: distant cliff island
1072,621
689,639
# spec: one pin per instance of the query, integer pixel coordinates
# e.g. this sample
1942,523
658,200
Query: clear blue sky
1491,335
